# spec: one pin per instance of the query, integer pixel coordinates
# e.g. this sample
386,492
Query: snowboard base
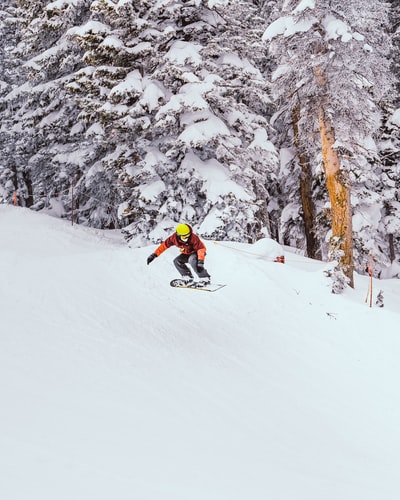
211,287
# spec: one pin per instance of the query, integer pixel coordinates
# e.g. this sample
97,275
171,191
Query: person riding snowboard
193,252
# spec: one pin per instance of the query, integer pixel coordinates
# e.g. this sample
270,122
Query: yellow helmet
183,230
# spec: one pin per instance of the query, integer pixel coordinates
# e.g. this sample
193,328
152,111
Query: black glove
150,258
200,265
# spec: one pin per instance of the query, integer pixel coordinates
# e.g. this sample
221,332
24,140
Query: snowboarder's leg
202,273
180,263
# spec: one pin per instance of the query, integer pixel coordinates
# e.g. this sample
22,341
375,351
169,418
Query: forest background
139,114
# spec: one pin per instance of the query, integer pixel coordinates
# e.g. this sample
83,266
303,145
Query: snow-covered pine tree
334,66
8,80
48,156
394,15
389,158
389,187
176,92
8,40
378,230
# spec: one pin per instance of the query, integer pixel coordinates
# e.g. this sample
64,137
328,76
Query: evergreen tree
176,93
395,31
334,68
9,77
47,156
388,163
389,185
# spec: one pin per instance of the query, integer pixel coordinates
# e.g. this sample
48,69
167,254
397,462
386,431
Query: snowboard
211,287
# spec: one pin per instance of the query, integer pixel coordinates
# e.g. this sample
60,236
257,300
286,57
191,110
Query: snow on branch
288,26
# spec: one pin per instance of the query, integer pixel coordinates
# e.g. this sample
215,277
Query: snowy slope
116,386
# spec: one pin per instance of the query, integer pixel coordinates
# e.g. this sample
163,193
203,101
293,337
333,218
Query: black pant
181,262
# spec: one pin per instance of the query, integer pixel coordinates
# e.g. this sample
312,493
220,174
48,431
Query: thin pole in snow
370,286
370,269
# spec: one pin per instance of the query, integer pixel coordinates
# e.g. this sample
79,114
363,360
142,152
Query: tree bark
307,201
29,188
339,195
338,190
392,253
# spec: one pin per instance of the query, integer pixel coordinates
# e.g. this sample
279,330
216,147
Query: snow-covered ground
116,386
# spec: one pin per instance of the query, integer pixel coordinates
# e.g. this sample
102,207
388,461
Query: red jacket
192,245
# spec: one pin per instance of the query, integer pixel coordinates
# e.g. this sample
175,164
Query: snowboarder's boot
204,281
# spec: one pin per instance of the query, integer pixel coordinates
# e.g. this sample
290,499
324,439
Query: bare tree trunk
307,201
338,189
339,194
29,188
391,248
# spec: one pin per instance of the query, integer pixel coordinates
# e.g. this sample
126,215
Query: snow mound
115,385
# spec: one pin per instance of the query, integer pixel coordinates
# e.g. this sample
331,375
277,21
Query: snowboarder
193,252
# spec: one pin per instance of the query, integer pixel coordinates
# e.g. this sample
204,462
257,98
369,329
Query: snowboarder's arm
201,254
159,250
200,248
169,242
